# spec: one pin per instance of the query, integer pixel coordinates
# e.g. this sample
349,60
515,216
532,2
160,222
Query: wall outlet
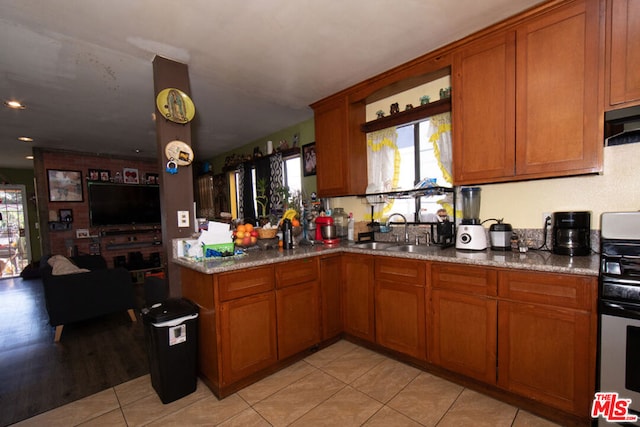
546,215
183,218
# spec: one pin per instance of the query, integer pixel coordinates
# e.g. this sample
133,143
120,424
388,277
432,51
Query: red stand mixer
326,223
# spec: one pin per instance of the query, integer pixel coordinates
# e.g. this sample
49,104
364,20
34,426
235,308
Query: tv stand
132,245
118,232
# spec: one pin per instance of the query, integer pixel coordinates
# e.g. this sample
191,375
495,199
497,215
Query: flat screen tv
123,204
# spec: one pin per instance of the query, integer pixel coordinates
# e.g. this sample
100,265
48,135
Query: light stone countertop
532,260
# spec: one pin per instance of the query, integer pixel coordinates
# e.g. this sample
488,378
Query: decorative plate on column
175,105
179,152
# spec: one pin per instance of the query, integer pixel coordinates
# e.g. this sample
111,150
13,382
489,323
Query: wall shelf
405,117
59,226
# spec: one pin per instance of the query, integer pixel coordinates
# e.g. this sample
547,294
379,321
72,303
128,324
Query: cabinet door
358,296
623,55
484,110
330,296
558,112
544,354
331,137
341,149
247,336
298,318
464,334
400,318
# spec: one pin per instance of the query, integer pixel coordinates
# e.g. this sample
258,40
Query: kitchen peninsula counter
534,260
266,309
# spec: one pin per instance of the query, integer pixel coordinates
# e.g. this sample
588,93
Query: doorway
15,250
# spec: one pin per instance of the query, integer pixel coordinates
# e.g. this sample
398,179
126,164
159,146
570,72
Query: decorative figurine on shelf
445,92
408,107
395,108
424,100
380,114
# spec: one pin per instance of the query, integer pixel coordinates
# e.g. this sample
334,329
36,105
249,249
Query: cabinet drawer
411,272
464,278
242,283
294,272
562,290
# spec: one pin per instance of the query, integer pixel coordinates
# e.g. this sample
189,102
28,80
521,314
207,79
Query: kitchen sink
413,248
375,245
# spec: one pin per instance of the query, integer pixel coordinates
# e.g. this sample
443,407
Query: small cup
522,246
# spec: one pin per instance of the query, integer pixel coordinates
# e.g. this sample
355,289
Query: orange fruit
248,227
295,222
241,227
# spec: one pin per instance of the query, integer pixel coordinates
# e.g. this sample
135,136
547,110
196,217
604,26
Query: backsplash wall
521,204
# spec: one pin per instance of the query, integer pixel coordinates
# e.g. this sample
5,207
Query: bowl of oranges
245,235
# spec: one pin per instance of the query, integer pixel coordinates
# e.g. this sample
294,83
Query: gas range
619,312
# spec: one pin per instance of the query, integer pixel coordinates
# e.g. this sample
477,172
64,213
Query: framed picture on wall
66,215
94,174
65,186
82,233
105,175
151,178
130,176
309,159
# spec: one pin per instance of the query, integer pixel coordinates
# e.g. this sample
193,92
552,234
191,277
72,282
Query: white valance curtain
383,165
440,136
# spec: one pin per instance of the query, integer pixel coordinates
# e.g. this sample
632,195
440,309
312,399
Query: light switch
183,218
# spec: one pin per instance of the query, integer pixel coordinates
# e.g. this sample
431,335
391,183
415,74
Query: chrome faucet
406,225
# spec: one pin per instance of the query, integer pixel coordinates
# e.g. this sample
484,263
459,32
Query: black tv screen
123,204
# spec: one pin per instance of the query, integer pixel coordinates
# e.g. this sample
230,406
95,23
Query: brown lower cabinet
247,336
529,334
358,296
547,338
330,298
298,306
463,320
400,313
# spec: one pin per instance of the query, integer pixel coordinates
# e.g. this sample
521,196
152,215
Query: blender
471,234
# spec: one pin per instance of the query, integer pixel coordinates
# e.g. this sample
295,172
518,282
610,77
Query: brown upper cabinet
526,99
623,53
341,149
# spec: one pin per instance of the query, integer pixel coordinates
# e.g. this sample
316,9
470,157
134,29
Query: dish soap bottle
351,228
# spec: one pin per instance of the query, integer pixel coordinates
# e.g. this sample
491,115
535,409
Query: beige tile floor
341,385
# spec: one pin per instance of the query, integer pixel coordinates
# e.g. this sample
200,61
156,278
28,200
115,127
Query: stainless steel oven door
620,354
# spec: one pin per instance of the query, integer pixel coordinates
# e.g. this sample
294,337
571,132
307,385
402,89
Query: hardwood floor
37,374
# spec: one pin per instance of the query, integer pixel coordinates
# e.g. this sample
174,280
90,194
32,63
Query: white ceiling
84,67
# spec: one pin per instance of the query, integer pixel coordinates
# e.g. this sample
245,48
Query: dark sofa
74,297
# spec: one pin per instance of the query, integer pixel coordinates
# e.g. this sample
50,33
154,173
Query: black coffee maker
571,233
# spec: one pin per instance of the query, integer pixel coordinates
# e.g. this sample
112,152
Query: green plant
261,196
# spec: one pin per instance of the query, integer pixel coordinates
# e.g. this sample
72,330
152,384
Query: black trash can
171,333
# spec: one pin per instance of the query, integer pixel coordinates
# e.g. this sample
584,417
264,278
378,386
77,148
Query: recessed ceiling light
16,105
28,157
25,139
